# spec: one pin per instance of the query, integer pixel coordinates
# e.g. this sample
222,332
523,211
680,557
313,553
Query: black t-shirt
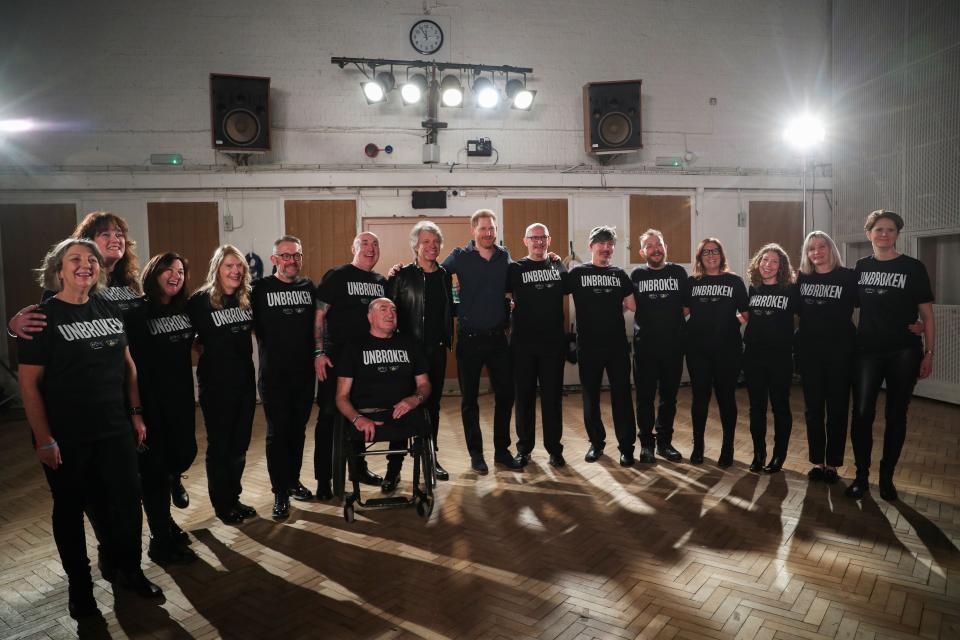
537,288
116,292
659,294
161,338
598,293
348,290
283,320
225,336
772,308
82,352
890,292
827,301
714,302
382,369
434,303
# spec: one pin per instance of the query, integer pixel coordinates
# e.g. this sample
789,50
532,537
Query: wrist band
318,353
928,352
354,421
51,445
136,411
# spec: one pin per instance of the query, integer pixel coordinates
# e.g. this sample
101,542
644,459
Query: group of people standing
106,364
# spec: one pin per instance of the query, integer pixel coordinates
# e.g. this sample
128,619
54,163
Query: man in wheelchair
381,382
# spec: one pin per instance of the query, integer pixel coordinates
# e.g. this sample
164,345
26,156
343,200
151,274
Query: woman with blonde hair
825,344
220,311
768,357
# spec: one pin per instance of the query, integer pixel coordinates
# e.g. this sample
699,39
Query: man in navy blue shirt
481,269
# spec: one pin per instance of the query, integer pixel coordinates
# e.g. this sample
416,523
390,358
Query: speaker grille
241,127
615,129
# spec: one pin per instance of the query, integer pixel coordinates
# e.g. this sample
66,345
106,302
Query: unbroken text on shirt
90,329
385,356
821,290
227,316
168,324
599,281
365,289
660,284
540,275
776,302
712,290
283,298
116,294
882,279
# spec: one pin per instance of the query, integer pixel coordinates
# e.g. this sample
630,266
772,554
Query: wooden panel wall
670,215
518,214
191,229
780,222
27,232
326,228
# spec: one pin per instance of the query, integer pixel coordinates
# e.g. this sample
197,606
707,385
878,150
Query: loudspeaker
611,117
429,200
240,113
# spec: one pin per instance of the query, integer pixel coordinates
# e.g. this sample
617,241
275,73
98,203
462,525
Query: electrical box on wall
480,147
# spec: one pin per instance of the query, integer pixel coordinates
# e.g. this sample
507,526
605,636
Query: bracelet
136,411
354,421
419,398
318,353
52,445
928,352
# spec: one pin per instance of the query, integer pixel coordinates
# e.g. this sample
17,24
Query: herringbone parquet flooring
589,551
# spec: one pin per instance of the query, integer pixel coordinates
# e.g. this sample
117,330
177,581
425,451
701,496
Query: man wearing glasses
284,307
538,342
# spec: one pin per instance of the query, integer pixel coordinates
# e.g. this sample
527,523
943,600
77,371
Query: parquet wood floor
589,551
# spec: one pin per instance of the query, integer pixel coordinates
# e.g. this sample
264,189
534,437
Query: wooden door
326,228
191,229
27,231
668,214
780,222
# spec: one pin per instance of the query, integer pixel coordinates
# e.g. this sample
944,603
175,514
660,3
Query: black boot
859,488
135,581
166,551
757,465
82,603
281,505
178,493
696,457
887,491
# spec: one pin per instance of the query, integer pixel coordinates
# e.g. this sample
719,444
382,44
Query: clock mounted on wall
426,36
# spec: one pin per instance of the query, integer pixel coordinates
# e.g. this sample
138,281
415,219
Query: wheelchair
346,442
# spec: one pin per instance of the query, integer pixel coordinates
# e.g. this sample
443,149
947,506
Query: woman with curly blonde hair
768,357
221,313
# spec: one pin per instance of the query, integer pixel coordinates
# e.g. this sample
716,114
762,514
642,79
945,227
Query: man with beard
658,340
283,318
601,292
343,296
538,342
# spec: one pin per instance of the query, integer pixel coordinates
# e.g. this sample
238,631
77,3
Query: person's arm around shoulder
25,322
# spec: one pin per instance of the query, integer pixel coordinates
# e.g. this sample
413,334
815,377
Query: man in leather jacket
422,291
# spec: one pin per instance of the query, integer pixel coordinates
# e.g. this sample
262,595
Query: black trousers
825,372
228,408
616,362
543,363
714,370
473,352
899,368
155,482
437,360
395,431
769,373
287,401
656,371
105,468
326,418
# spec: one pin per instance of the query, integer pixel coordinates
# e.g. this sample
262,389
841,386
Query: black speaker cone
614,129
241,127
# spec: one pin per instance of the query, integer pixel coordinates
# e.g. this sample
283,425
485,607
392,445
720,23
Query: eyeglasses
710,252
287,257
538,238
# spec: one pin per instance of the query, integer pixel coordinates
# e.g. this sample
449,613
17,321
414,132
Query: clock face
426,36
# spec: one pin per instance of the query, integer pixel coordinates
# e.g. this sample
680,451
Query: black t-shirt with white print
660,295
598,294
116,292
772,309
714,302
283,321
382,370
827,301
225,337
890,292
537,288
348,290
81,349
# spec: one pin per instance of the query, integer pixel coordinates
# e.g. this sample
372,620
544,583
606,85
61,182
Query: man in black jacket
422,292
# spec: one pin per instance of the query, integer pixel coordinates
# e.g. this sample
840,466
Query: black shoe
757,465
478,464
178,493
697,456
556,460
300,493
646,455
167,552
593,453
245,510
816,474
368,477
523,459
726,458
229,516
177,534
667,451
775,465
138,583
507,461
830,476
390,481
887,491
626,460
859,488
82,604
440,472
281,506
324,491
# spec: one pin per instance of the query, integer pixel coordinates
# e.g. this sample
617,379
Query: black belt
485,333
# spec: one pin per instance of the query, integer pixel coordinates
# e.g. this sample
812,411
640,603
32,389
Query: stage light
376,90
15,126
804,132
486,93
451,93
414,88
520,97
